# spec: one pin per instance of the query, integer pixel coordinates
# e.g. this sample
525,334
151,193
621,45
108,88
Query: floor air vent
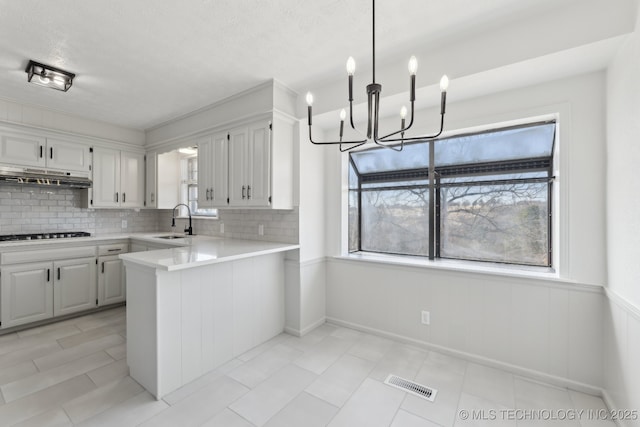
412,387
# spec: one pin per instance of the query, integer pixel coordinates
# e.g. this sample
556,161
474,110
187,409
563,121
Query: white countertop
203,250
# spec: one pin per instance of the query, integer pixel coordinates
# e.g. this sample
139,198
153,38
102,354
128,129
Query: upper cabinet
250,166
33,151
213,170
247,166
242,163
118,179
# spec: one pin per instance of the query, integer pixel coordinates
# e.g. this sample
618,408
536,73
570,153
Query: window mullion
432,169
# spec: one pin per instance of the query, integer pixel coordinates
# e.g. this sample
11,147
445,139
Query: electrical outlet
222,228
426,318
260,230
124,223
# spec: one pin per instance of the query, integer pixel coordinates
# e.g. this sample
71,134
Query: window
491,197
189,188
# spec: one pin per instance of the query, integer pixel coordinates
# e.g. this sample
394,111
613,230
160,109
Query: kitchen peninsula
192,308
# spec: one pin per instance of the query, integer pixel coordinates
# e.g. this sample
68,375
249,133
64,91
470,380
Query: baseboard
611,405
514,369
304,331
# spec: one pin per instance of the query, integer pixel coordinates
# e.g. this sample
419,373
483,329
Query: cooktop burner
40,236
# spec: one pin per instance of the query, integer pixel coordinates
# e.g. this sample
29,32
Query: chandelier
373,107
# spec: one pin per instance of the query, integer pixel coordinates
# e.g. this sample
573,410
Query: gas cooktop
40,236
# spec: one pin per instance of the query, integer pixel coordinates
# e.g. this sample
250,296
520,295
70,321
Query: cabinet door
151,179
27,293
111,280
220,169
238,152
22,150
259,165
205,172
68,156
74,285
106,178
132,179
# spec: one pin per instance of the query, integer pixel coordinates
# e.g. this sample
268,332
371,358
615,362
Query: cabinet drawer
113,249
47,254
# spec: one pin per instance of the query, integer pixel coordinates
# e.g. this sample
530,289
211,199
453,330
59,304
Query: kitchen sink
173,236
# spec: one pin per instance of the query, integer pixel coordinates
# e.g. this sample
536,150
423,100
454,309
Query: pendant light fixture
373,107
48,76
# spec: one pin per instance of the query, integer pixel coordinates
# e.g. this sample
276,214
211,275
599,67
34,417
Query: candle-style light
374,91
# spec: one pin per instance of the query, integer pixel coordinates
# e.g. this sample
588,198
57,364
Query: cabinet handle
248,191
243,192
51,152
102,266
116,197
48,275
206,194
152,198
124,197
114,250
58,273
41,151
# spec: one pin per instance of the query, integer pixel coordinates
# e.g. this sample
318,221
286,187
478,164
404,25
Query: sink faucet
189,230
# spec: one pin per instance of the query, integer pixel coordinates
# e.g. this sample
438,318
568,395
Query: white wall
550,329
622,314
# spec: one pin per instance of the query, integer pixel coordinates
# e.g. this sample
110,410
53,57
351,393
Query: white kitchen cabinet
132,179
213,167
111,276
151,179
250,165
111,280
74,285
18,149
118,179
27,293
68,156
22,150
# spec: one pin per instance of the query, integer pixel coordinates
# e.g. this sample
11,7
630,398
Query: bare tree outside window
493,193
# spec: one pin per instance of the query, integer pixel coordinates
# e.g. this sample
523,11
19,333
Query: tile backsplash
278,225
33,209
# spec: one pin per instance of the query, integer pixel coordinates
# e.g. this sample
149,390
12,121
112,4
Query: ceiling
140,63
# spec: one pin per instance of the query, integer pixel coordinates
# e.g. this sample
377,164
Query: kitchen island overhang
191,309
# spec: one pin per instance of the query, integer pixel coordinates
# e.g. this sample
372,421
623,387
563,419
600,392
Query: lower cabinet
27,293
111,280
74,286
40,290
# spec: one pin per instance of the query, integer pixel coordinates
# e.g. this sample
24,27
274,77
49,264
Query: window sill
539,274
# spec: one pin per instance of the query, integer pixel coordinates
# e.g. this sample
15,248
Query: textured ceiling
141,62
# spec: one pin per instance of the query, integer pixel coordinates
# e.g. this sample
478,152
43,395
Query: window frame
434,175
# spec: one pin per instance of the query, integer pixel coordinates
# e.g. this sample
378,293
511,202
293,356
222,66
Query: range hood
43,177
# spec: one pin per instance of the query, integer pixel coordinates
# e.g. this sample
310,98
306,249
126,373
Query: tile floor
74,373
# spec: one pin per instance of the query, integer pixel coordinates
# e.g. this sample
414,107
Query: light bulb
343,115
413,65
309,99
351,66
403,112
44,78
444,83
